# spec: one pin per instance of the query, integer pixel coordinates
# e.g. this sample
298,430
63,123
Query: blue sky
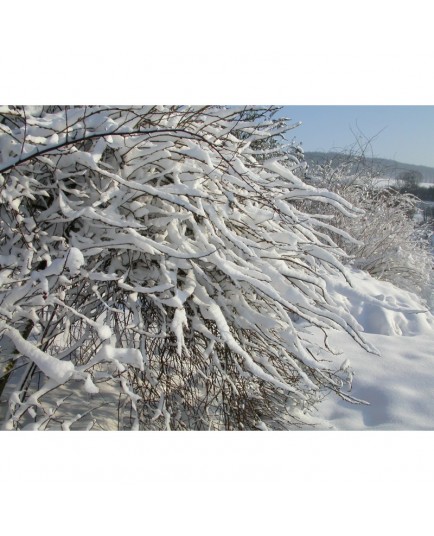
402,133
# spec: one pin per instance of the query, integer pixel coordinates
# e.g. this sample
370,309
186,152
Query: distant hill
389,168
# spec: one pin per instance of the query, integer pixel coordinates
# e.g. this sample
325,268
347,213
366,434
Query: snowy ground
398,385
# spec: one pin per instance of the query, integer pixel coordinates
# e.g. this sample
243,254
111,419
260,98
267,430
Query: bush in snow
155,270
390,244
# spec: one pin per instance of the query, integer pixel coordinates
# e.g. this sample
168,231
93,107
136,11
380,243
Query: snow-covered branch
170,267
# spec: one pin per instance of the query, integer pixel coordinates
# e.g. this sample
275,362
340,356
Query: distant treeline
388,168
424,194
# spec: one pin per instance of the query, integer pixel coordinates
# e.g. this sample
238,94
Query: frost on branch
156,271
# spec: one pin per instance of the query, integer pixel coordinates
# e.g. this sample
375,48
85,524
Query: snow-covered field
398,385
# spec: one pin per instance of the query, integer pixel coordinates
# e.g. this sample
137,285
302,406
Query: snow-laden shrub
391,245
155,275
